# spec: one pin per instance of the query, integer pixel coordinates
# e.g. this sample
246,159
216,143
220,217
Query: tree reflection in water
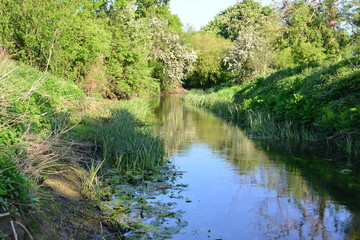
292,197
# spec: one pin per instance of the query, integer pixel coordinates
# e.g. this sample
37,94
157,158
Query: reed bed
258,124
126,141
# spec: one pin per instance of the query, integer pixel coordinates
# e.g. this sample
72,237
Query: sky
199,12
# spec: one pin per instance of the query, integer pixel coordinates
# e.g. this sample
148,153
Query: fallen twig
14,231
27,231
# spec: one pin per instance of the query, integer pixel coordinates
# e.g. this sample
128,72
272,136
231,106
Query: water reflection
239,189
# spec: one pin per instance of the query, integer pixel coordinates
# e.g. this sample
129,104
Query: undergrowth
30,102
310,102
47,125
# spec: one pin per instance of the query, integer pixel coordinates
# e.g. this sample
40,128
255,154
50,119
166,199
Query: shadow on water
278,194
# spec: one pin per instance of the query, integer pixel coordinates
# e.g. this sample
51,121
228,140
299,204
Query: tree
127,67
251,55
158,9
144,6
312,31
253,29
60,36
172,59
110,47
209,68
231,22
350,11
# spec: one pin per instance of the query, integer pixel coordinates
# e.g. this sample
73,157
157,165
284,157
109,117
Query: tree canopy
106,46
268,38
127,48
237,18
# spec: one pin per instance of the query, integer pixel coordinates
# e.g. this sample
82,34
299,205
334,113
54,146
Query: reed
257,123
92,186
261,124
127,142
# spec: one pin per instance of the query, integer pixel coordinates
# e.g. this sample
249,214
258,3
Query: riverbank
72,166
314,103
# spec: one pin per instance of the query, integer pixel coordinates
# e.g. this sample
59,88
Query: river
241,188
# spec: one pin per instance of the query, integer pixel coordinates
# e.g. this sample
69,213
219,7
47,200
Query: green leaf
3,192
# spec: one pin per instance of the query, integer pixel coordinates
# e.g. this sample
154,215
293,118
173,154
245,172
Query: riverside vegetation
314,103
51,130
289,71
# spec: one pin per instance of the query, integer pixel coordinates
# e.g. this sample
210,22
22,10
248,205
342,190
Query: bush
209,68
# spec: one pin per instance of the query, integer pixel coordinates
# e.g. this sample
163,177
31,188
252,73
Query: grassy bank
64,155
129,168
125,139
309,102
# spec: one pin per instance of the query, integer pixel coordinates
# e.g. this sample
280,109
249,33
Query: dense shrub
323,95
209,68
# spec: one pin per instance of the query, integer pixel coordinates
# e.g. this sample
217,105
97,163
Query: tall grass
37,109
258,124
127,142
92,186
31,104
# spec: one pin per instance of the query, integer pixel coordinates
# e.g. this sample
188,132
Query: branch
27,231
4,214
14,231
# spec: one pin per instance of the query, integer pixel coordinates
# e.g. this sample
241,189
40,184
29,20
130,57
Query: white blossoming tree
172,58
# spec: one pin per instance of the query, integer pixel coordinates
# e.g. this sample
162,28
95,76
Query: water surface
242,189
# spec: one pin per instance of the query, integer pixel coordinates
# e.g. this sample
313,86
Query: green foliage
297,32
209,67
92,187
107,47
29,101
231,22
311,32
251,55
128,72
253,29
145,7
159,9
130,148
127,144
167,49
323,98
14,187
351,12
61,36
303,93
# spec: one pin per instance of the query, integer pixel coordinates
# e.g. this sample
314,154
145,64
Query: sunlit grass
305,103
125,139
259,124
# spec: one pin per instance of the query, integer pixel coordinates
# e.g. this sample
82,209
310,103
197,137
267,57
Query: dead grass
57,165
65,212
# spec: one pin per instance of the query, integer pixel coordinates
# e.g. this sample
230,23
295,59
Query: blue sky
199,12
